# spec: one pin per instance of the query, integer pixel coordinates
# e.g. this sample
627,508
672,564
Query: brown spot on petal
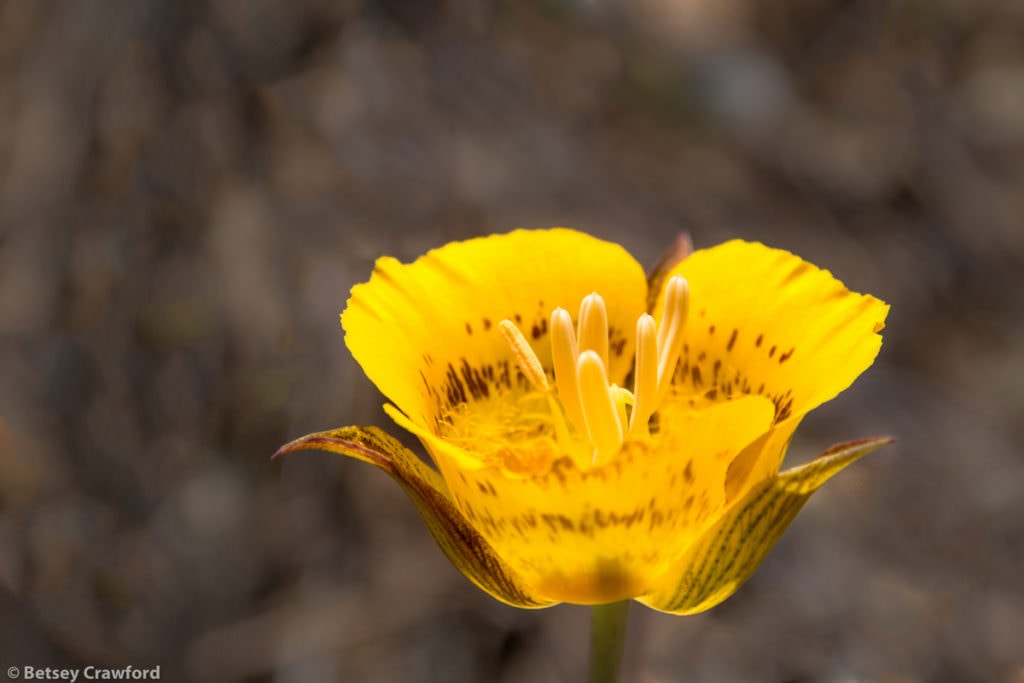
656,520
732,339
557,467
474,381
618,347
606,581
558,522
799,270
455,390
486,488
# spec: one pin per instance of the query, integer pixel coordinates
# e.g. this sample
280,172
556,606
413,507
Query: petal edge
426,333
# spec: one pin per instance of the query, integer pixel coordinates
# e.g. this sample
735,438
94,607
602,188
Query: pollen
585,404
525,357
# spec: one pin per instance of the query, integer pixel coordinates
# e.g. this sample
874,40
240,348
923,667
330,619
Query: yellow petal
763,321
465,547
427,333
760,459
728,552
602,534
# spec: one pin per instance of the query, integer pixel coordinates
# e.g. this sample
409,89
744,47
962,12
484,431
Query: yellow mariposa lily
589,450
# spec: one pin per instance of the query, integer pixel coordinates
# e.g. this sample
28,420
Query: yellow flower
589,450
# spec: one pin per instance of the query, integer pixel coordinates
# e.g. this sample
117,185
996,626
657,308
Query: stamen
563,357
645,374
525,356
621,398
594,326
599,410
670,332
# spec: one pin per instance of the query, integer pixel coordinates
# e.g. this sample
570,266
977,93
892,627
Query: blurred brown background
189,189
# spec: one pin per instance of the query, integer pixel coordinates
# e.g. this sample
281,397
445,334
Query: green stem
607,640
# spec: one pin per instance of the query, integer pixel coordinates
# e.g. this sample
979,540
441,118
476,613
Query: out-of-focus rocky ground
189,189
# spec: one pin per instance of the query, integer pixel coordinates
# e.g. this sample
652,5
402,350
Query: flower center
582,397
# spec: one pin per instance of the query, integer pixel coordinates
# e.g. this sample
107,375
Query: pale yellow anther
645,375
524,354
670,331
600,412
563,358
593,323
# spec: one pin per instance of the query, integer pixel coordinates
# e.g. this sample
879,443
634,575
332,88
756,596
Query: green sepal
461,543
729,551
